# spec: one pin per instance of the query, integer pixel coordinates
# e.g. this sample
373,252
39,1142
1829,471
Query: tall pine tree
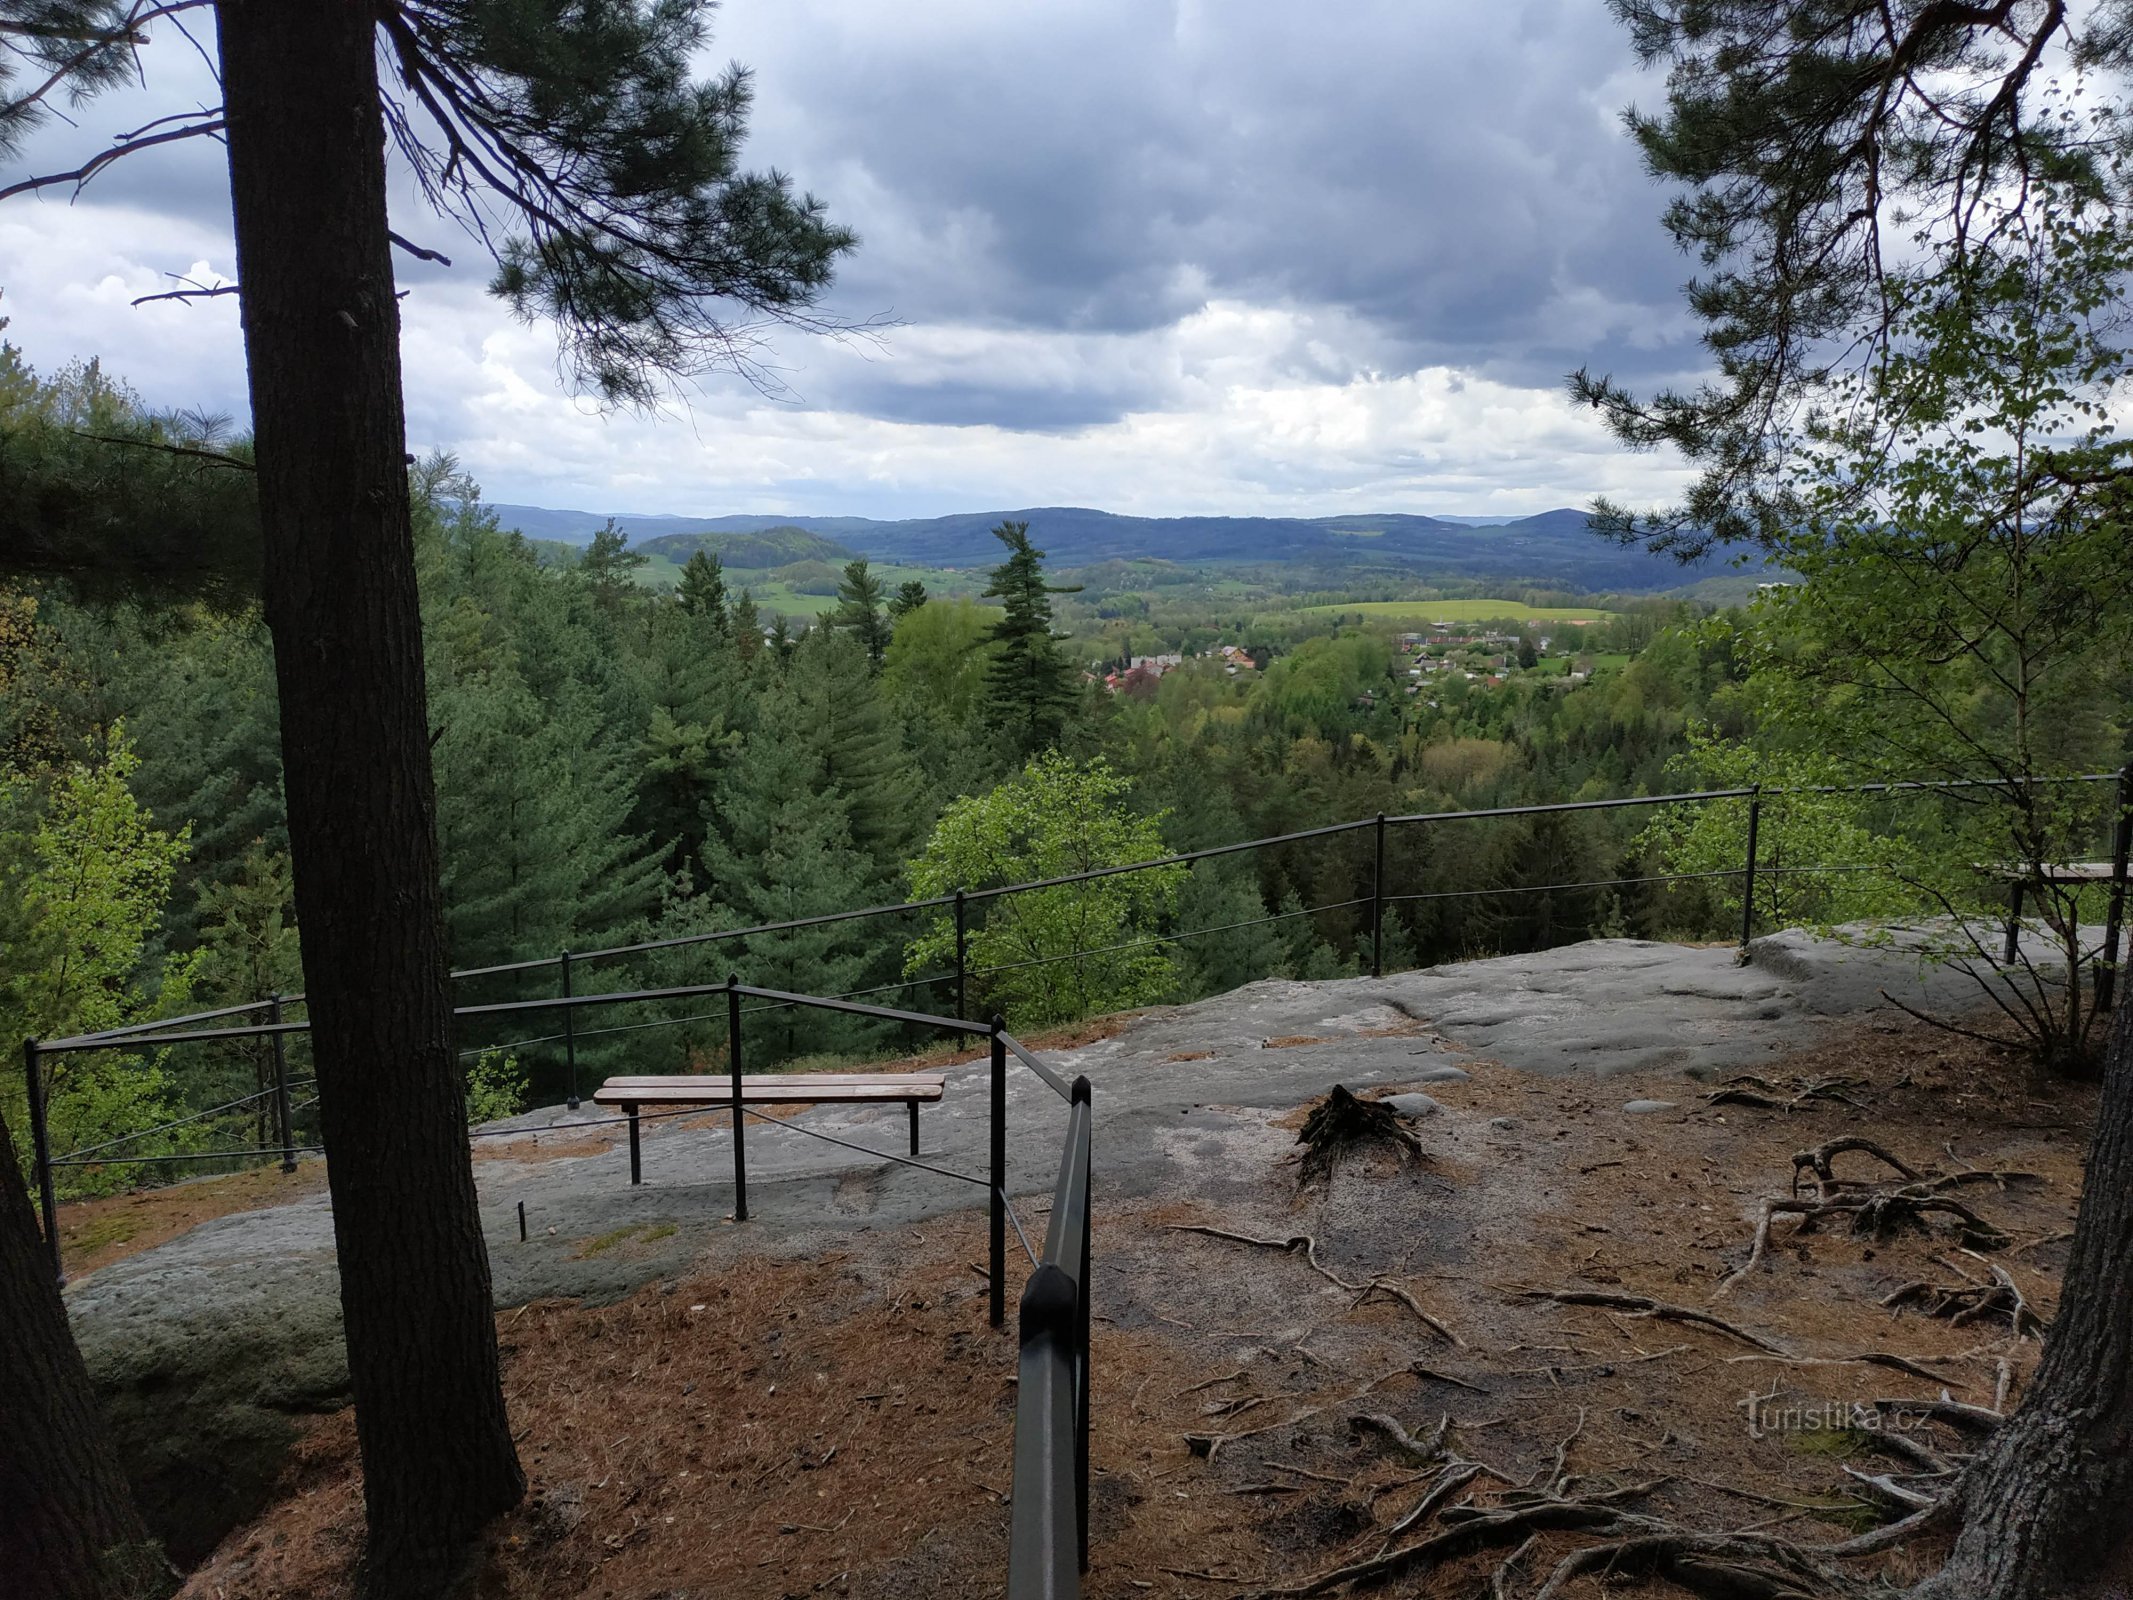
702,591
1029,684
859,609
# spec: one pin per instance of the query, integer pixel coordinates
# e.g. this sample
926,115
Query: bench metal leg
636,1152
912,1107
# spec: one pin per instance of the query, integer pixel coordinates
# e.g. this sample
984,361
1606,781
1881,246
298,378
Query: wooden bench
770,1089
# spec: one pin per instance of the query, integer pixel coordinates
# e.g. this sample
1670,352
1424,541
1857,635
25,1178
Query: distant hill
1553,547
773,547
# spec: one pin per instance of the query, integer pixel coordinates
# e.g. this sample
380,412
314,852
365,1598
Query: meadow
1429,611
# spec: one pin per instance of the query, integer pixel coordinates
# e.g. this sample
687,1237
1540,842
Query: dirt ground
842,1426
95,1233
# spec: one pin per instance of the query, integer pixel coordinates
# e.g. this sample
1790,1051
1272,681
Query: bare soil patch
1543,1285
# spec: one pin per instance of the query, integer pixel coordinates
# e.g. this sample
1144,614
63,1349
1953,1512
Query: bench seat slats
789,1089
694,1080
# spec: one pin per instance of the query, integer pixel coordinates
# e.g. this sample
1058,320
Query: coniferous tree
747,626
1029,684
610,565
833,707
578,142
859,609
534,824
786,852
698,698
909,596
71,1531
702,591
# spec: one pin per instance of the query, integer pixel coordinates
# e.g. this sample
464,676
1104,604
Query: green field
1429,611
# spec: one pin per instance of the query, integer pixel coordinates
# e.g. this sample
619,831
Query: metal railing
1051,1449
1049,1533
1048,1527
959,906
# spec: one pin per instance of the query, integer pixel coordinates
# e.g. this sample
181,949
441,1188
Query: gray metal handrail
1048,1529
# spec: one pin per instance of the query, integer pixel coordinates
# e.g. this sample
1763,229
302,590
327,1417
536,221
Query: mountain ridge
1556,546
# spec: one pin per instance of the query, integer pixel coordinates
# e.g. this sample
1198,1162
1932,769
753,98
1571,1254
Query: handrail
1028,1058
1048,1530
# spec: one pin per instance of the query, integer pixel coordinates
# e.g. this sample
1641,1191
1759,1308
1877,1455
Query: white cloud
1204,259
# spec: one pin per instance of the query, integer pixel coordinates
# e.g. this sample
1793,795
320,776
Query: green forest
620,760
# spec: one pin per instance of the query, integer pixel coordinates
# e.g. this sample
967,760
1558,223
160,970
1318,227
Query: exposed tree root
1638,1305
1972,1301
1818,1161
1454,1478
1309,1246
1481,1531
1749,1090
1426,1451
1873,1213
1207,1444
1727,1566
1873,1358
1340,1123
1976,1420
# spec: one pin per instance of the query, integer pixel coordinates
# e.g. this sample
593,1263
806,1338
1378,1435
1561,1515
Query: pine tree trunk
2049,1503
321,327
68,1527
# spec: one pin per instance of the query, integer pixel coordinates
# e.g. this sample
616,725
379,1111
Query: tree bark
2049,1504
321,329
68,1527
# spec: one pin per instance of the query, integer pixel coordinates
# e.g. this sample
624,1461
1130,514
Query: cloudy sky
1158,256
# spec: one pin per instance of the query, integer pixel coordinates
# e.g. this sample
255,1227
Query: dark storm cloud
1424,183
1457,175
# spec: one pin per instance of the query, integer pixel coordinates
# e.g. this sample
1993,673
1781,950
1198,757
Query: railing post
962,964
282,1119
1081,1342
570,1036
1377,908
733,1073
2115,914
997,1259
1747,897
41,1153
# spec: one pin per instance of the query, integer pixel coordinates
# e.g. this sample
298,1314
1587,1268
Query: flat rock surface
207,1345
